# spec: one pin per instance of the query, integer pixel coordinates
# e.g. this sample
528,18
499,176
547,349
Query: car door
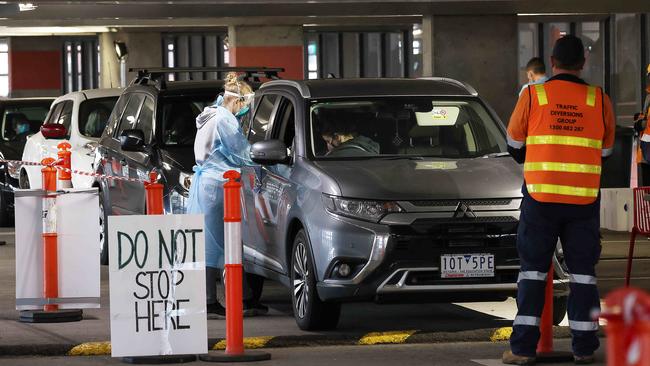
273,190
255,235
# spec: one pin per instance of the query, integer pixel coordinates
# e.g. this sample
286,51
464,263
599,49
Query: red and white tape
74,171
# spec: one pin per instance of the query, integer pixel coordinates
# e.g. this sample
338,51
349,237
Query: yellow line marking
501,334
386,337
91,349
249,343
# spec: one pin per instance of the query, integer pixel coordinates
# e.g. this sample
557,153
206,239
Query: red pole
545,344
50,249
154,195
64,155
233,264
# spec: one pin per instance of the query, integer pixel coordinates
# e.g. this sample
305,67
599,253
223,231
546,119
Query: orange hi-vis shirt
567,127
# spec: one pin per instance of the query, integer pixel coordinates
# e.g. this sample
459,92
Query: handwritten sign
157,285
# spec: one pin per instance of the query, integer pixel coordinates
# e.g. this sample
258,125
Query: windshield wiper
398,157
496,155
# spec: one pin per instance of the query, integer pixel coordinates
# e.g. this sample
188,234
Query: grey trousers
214,287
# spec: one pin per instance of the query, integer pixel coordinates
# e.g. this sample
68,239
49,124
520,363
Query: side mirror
54,131
269,152
132,140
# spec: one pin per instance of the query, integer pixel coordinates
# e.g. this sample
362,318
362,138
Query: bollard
50,248
627,312
545,352
65,176
234,272
51,312
154,195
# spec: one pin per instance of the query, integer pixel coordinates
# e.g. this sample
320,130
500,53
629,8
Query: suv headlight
360,209
185,180
178,202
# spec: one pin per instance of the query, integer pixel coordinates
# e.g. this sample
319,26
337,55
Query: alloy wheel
300,281
101,226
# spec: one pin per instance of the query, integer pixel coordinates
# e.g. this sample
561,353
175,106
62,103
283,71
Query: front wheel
559,309
309,311
103,240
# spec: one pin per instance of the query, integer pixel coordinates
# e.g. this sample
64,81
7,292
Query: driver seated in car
21,128
343,140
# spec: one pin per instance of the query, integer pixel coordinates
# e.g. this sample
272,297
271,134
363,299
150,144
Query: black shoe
216,311
254,309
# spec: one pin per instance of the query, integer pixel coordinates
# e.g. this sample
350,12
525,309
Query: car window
145,119
260,123
116,114
65,118
56,111
128,120
452,128
179,118
93,115
20,121
284,125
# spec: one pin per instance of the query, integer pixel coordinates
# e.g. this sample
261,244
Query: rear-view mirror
132,140
54,131
269,152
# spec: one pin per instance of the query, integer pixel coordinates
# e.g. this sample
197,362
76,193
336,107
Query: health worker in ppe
220,146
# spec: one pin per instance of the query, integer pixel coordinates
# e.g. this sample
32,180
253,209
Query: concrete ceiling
184,13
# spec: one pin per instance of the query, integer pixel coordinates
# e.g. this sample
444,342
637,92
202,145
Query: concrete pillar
145,50
480,50
427,46
35,66
271,46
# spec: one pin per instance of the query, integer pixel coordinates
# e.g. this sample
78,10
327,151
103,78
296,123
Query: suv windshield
440,127
93,115
179,118
20,121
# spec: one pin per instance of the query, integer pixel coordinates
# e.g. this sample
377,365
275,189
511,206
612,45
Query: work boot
216,311
584,360
510,358
254,308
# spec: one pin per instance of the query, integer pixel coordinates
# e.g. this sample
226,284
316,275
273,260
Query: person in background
536,73
220,146
21,127
643,130
561,130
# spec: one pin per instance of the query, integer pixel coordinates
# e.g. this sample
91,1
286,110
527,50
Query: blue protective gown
229,150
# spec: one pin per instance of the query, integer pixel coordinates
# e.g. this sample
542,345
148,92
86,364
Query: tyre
309,311
5,215
103,242
559,309
23,180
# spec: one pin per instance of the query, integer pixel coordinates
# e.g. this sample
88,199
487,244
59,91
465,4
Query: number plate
466,265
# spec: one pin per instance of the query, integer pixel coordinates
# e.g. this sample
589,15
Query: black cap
569,50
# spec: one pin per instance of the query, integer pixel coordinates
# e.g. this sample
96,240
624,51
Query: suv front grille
454,203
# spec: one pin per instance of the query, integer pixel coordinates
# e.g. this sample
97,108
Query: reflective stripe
607,152
562,167
583,326
526,320
564,140
531,275
541,94
563,190
591,96
582,279
514,143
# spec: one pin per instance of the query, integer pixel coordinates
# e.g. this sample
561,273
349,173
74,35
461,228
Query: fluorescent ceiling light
46,31
26,6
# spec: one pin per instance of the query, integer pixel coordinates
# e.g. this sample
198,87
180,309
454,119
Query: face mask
23,128
242,112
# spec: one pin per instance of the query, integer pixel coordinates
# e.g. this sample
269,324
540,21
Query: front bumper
405,263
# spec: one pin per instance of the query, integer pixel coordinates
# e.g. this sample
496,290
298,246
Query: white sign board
77,217
157,285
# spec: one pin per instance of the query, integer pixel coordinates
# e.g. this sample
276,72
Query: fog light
344,270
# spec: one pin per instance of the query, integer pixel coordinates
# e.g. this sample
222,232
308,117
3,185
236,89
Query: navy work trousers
540,226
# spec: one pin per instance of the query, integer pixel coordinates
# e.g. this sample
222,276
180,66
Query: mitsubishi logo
463,212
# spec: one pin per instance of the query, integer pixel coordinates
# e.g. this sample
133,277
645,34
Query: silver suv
382,190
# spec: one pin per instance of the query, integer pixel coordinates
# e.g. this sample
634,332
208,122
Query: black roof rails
156,74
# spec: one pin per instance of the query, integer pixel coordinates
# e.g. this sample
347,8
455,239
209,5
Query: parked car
78,117
159,118
21,117
418,203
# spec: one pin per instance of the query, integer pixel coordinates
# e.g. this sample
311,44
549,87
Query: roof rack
157,74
